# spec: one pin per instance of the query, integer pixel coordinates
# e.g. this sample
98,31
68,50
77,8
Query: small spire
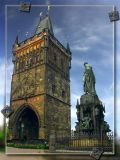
44,23
16,42
68,48
77,102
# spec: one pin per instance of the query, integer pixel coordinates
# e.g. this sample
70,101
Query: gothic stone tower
40,87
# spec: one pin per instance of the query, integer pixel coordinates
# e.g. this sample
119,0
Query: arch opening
27,125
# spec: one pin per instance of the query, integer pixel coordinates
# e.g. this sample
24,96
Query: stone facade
40,81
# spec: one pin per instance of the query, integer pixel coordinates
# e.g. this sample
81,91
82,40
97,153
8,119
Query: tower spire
68,49
44,23
77,102
16,42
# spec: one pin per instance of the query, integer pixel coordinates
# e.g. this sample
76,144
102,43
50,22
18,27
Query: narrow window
63,93
53,88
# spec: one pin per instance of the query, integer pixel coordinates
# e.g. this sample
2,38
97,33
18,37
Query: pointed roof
16,42
68,49
44,23
77,102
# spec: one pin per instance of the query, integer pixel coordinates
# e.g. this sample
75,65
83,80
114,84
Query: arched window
53,88
55,57
63,93
62,63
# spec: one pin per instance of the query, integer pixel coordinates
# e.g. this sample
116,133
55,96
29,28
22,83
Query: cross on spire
44,23
48,10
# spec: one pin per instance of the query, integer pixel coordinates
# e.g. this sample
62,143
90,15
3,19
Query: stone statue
90,109
106,127
86,123
89,80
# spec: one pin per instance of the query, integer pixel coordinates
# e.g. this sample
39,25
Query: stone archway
27,124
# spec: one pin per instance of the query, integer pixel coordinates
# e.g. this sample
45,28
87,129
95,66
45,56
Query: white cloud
109,90
58,30
58,33
73,112
74,98
2,77
77,62
2,82
8,70
109,105
80,48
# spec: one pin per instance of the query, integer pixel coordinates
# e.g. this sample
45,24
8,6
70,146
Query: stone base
90,114
89,99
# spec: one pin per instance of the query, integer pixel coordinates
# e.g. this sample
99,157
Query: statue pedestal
90,114
88,99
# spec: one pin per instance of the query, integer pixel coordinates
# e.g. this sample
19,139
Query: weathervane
48,3
48,9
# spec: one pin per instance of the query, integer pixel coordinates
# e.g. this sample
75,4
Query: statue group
90,110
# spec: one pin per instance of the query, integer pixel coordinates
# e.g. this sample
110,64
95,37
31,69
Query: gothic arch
26,122
20,109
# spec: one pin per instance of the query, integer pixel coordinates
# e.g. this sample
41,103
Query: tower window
53,88
26,63
63,93
30,62
55,57
17,66
22,65
38,57
62,64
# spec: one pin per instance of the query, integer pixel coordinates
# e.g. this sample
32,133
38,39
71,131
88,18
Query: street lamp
7,111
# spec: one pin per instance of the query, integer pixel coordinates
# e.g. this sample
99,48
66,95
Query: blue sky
90,35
